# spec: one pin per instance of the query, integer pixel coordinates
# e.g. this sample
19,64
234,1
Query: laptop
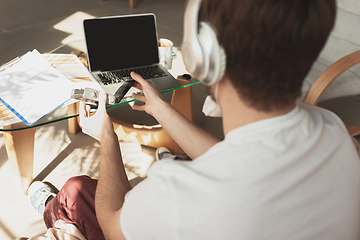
118,45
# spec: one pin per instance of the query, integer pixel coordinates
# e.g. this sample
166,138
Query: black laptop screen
121,42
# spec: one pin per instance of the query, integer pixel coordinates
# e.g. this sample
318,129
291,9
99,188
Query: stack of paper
33,87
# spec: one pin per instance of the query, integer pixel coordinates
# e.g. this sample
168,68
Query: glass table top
121,111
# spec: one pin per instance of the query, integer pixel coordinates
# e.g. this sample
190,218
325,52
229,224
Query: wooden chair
328,77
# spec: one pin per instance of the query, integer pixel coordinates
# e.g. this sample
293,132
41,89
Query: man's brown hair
270,45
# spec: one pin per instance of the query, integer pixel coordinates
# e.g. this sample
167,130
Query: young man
285,170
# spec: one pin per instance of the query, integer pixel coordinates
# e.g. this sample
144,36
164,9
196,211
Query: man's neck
236,113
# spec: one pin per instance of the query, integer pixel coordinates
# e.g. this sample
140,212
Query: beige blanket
62,231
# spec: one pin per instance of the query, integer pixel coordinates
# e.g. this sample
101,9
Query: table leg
73,122
20,150
182,100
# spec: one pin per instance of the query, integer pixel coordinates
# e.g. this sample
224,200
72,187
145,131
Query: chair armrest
329,75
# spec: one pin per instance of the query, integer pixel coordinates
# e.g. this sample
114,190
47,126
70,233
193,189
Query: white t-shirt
296,176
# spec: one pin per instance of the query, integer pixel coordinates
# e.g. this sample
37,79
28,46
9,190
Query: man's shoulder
323,116
312,109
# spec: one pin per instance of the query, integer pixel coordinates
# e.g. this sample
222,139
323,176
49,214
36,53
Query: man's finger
87,110
138,108
102,100
141,98
139,79
138,86
82,109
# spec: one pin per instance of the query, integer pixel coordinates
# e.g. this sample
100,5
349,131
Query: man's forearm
113,184
191,138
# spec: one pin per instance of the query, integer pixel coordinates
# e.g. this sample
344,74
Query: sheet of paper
73,69
33,87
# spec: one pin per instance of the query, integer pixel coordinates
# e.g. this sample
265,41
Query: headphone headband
204,58
191,48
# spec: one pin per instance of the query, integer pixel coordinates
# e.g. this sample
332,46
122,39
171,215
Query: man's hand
152,97
99,122
192,139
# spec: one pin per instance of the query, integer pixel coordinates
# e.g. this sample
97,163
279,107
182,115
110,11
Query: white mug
167,52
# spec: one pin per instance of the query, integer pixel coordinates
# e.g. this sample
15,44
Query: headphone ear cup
214,57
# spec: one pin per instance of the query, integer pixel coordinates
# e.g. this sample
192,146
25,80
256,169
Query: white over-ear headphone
204,58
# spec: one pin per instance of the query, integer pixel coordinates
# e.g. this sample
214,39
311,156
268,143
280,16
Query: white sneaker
39,193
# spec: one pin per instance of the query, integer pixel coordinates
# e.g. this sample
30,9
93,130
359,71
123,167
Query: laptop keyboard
122,75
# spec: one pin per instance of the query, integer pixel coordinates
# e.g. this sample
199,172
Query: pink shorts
75,203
